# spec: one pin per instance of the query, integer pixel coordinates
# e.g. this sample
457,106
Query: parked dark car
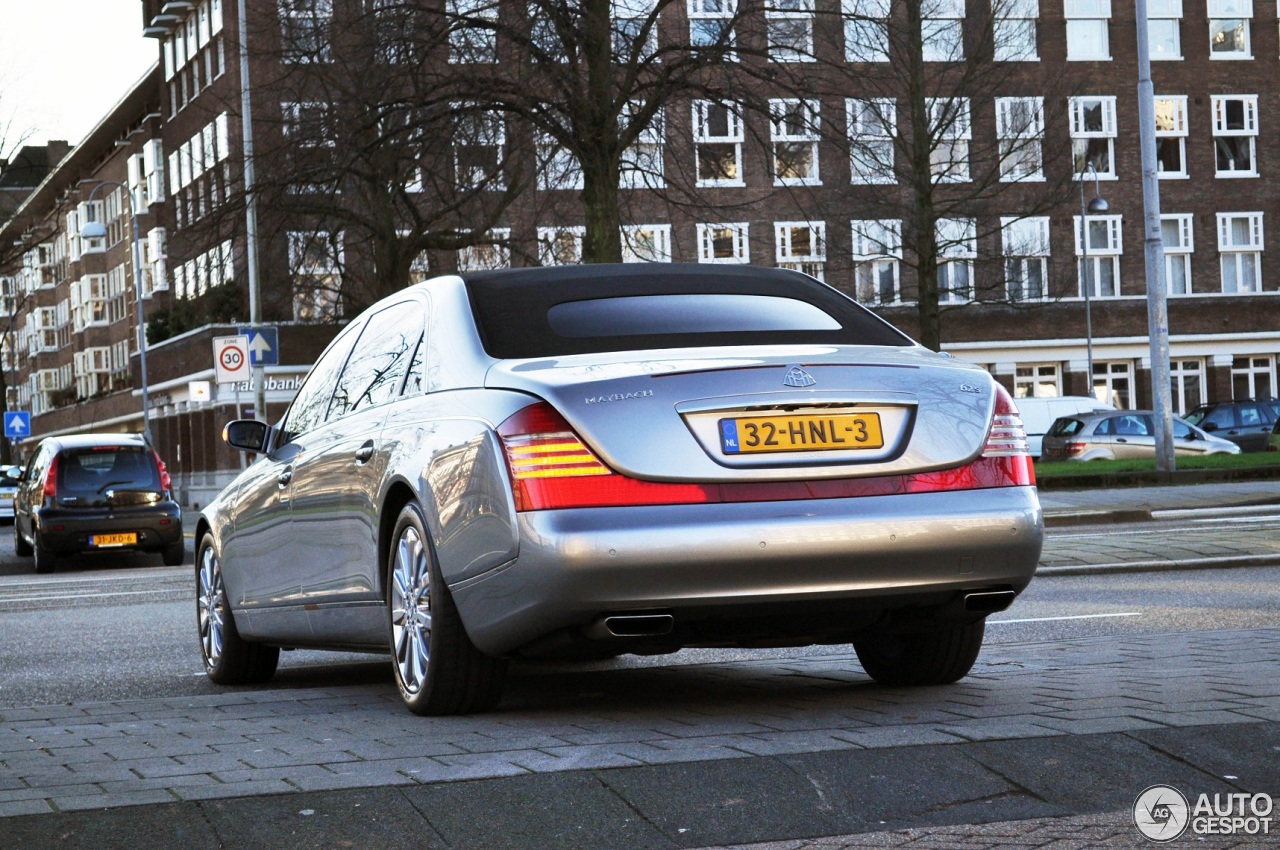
1120,434
95,493
1245,422
579,460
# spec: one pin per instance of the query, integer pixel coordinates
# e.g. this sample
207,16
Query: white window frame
1177,231
1242,257
470,44
812,262
560,246
1221,130
793,122
1106,246
866,30
318,18
314,256
1036,377
942,30
701,13
703,135
738,234
1222,15
1171,123
873,127
629,17
1089,21
642,165
789,30
1014,31
1020,136
877,251
646,243
1245,371
957,244
299,117
489,130
1166,16
492,253
1083,138
1025,245
1184,372
951,128
558,168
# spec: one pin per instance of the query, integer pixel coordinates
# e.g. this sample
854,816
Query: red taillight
1006,451
1075,448
166,483
51,479
552,468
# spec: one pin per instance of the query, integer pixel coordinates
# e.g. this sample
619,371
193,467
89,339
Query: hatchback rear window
1065,427
561,310
91,472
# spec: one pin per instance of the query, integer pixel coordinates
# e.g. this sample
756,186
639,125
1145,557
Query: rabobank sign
273,383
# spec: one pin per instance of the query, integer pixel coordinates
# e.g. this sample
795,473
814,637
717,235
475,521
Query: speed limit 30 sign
231,358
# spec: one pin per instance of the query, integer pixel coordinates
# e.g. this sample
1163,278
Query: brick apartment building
1010,270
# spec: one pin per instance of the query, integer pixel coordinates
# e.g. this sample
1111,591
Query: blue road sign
264,345
17,424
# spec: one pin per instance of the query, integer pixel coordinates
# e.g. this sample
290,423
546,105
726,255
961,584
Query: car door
1186,441
1221,422
1254,429
338,478
1134,436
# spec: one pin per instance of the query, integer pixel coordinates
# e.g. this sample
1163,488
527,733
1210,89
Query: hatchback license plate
801,433
113,539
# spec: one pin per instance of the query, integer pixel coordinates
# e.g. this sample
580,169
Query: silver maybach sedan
586,461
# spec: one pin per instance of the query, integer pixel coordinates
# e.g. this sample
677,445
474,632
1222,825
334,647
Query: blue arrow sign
264,345
17,424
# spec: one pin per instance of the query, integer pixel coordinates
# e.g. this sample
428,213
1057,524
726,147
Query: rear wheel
228,658
21,547
175,554
437,668
936,657
46,561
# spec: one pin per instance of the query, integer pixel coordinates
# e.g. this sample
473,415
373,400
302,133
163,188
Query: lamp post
1097,205
97,230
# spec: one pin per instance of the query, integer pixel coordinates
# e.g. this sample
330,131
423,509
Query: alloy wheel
211,602
411,610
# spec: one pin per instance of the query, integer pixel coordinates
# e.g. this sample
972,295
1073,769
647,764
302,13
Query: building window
1176,233
794,130
1101,273
1171,136
642,166
951,131
1164,29
717,129
557,167
493,252
1088,25
1253,377
877,253
646,243
1020,134
1093,135
1229,29
1015,30
802,246
872,127
479,149
1037,380
942,30
789,27
1186,382
1235,133
1240,247
473,35
866,30
957,249
315,264
304,30
711,23
1113,383
723,243
306,124
560,246
1026,257
631,42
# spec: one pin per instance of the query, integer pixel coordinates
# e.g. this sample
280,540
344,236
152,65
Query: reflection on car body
537,462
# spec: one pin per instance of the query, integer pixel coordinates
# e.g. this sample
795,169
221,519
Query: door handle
364,452
1121,440
285,476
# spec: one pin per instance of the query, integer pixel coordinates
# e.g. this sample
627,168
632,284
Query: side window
1250,416
1105,428
1222,416
1182,431
381,357
416,379
311,402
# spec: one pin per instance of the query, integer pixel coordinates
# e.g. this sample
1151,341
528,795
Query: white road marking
1073,617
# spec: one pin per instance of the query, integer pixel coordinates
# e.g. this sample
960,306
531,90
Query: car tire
936,657
46,561
21,547
175,554
228,658
437,667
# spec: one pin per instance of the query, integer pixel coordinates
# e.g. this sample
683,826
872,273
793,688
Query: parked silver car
606,459
1118,434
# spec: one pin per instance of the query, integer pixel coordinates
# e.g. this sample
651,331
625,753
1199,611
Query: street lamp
1097,204
97,230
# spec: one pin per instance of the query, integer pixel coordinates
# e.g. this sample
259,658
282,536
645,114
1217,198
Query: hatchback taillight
51,479
166,483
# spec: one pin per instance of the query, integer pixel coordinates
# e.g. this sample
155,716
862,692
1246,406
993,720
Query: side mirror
13,473
247,435
1209,426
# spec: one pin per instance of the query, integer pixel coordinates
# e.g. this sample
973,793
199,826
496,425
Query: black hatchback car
1247,422
95,493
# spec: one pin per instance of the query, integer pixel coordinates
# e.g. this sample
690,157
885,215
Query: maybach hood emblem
797,377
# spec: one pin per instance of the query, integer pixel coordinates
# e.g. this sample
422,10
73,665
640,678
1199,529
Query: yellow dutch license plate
822,432
113,539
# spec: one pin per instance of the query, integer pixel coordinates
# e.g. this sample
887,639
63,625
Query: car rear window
89,472
1065,427
563,310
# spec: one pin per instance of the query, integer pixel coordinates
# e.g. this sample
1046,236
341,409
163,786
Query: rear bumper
721,561
66,532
